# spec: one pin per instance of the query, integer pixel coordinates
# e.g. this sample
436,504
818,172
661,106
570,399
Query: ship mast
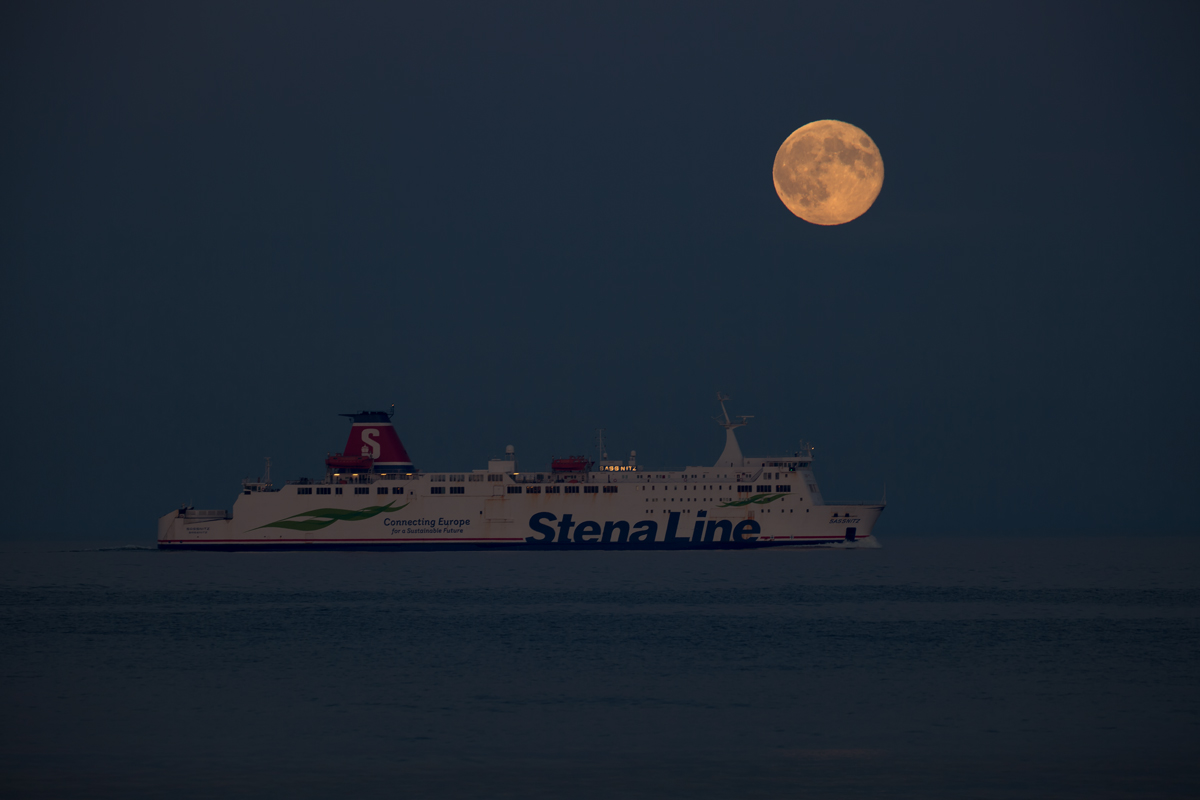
732,455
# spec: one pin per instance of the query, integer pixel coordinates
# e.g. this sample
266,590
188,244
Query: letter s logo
369,437
535,524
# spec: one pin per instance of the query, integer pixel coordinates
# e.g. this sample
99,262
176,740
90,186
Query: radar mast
732,455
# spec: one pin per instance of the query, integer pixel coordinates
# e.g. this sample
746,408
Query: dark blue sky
224,224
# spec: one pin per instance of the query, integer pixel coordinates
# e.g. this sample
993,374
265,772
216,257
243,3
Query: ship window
494,477
381,490
437,489
338,490
745,488
514,490
304,490
437,478
591,489
475,477
812,487
783,487
362,489
571,489
457,489
457,478
397,490
533,490
610,490
322,490
551,490
763,487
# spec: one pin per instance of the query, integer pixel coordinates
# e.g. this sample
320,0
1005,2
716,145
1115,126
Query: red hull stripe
777,538
270,541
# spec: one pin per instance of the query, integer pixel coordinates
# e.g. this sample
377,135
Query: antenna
600,444
727,425
392,413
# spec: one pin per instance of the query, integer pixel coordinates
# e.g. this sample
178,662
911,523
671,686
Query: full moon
828,172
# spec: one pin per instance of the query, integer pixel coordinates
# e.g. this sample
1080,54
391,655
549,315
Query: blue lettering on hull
567,532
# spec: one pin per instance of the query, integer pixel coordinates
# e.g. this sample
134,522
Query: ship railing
551,477
197,514
345,479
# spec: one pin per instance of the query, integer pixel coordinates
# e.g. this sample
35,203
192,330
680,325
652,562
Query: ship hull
283,521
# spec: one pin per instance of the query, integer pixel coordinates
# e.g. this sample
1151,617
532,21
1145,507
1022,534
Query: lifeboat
570,464
349,462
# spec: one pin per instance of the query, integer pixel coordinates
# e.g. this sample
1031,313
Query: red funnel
373,439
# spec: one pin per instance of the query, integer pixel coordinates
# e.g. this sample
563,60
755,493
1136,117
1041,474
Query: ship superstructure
373,497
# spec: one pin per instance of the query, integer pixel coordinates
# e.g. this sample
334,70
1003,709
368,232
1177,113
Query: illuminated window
533,490
397,490
551,490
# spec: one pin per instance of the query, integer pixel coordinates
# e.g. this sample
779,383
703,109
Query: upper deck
734,474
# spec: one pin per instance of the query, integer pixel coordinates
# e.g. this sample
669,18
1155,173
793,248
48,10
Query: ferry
372,497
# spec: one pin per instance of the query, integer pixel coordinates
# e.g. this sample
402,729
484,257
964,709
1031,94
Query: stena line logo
568,531
370,437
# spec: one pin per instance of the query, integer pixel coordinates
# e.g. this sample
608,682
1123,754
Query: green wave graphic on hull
758,500
324,517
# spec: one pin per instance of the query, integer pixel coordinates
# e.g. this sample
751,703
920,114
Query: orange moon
828,172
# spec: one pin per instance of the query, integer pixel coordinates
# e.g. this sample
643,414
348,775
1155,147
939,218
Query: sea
936,667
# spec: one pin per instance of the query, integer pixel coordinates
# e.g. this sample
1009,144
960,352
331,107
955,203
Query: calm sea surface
935,667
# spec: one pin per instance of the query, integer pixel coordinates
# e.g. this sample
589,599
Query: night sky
224,224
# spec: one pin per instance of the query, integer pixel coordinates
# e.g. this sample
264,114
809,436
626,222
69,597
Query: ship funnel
372,436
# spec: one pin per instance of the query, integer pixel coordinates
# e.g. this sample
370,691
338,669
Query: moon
828,172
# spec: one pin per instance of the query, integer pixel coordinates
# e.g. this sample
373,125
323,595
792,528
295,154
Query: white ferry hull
378,501
408,522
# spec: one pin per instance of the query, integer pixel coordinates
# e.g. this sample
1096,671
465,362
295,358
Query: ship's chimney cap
370,416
